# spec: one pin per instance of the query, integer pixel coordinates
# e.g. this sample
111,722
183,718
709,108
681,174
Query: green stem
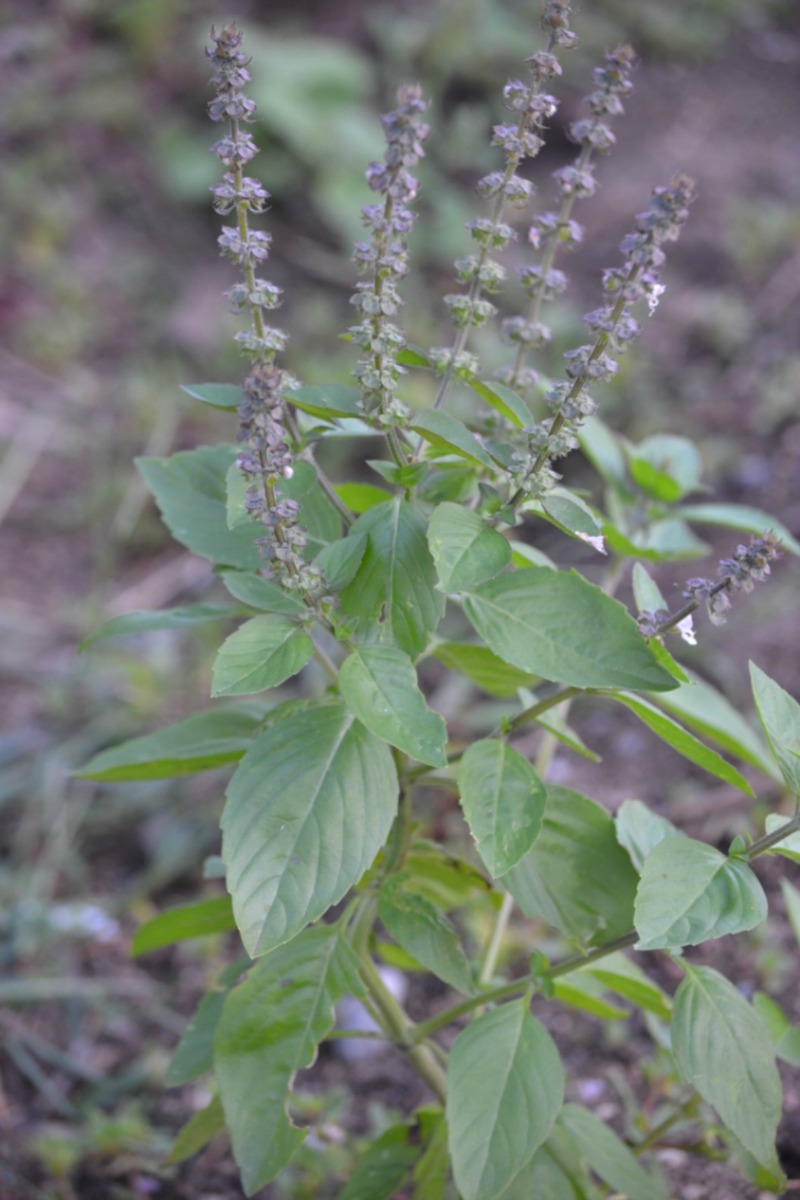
686,1110
326,664
772,839
495,941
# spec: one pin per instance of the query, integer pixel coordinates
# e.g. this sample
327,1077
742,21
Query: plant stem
493,945
772,839
686,1110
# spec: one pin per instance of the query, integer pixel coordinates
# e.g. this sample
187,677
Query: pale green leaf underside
307,810
556,625
503,800
379,685
689,893
722,1049
505,1086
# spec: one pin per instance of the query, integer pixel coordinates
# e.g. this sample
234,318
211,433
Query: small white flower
686,630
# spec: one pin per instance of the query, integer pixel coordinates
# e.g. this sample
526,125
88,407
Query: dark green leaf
666,467
780,717
503,801
326,400
576,876
723,1050
258,592
412,356
505,1086
684,742
447,881
200,743
608,1156
587,994
225,396
190,492
448,433
194,1054
465,549
255,1059
261,654
424,932
182,923
382,1167
185,617
198,1131
379,685
308,808
393,597
620,975
689,893
360,497
503,400
485,669
739,516
557,625
340,561
433,1166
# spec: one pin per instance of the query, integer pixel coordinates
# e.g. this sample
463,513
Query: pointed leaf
569,513
340,561
393,596
503,400
723,1050
308,808
198,1131
261,654
666,467
780,717
189,488
505,1086
622,976
646,591
576,877
359,497
326,400
465,549
182,923
705,709
608,1156
225,396
557,625
382,1167
587,994
255,1059
639,830
689,893
433,1166
257,592
483,668
739,516
185,617
194,1054
684,742
447,432
503,800
200,743
379,685
425,933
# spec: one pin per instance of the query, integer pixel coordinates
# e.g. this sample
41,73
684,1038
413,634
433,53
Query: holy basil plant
422,581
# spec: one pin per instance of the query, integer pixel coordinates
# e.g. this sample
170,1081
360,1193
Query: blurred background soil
111,297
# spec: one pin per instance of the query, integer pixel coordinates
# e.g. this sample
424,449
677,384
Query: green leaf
382,1168
318,516
556,1172
790,846
587,994
412,356
576,877
503,801
608,1156
483,668
340,561
405,475
262,653
225,396
326,400
662,541
646,591
185,617
779,714
424,932
639,830
308,808
465,549
791,898
557,625
360,497
620,975
448,433
433,1166
689,893
194,1054
446,880
666,467
505,1086
685,743
705,709
198,1131
785,1037
523,555
723,1050
182,923
379,685
554,722
569,513
189,488
393,596
256,1059
503,400
739,516
199,743
258,592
